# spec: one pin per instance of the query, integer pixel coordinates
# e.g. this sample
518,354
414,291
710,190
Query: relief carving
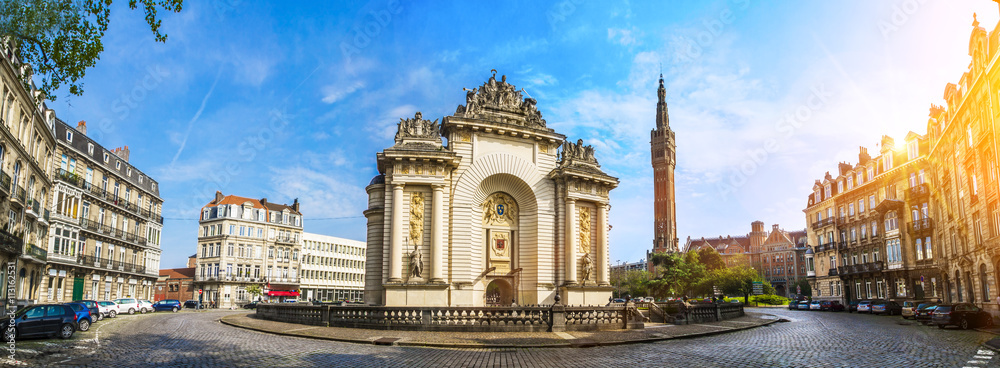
465,137
584,230
499,209
500,244
417,128
577,151
416,218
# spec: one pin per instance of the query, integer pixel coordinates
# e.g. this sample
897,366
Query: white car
648,299
128,305
145,306
108,308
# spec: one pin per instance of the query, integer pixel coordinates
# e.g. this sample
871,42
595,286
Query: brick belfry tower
662,151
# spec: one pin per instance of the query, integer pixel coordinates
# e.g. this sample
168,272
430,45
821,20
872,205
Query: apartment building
879,213
27,140
106,223
332,268
244,241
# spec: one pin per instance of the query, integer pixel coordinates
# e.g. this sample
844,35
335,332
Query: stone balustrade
471,319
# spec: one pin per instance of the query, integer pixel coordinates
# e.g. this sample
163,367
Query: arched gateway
498,215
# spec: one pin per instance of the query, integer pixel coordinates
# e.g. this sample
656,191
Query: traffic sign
798,289
758,288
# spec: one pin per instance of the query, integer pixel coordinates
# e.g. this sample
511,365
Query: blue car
42,320
83,317
172,305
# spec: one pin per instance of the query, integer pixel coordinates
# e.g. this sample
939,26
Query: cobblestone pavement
810,339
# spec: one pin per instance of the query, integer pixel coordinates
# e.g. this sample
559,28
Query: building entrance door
78,288
499,292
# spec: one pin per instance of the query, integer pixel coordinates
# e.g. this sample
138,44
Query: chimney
82,127
295,205
218,197
774,227
263,202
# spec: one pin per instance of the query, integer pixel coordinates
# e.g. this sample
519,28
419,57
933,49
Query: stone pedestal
586,294
413,294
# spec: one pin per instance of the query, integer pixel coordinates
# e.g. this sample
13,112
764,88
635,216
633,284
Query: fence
701,312
553,318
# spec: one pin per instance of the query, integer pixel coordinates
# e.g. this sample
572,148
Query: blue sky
293,100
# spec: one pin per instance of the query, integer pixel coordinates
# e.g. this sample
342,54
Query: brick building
178,283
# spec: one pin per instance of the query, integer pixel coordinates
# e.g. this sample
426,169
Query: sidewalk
652,332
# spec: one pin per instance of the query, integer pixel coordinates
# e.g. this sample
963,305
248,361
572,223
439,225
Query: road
810,339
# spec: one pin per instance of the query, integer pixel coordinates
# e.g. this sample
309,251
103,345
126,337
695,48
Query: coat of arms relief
499,209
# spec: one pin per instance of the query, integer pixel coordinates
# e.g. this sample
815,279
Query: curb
570,344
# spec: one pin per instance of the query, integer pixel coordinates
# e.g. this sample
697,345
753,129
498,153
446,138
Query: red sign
501,243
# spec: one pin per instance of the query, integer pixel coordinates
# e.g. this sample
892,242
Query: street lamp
619,286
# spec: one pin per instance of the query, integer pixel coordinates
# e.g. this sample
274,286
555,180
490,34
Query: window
928,253
920,249
850,182
900,287
887,161
850,209
90,148
871,173
912,149
118,165
892,253
840,186
69,136
106,157
861,206
891,221
871,201
828,192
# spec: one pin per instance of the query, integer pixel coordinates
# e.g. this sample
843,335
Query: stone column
437,233
396,237
602,244
571,235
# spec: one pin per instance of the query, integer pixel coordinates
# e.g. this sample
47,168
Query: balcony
917,192
5,183
19,194
286,239
870,267
832,272
68,177
921,226
109,232
104,263
31,208
33,251
10,243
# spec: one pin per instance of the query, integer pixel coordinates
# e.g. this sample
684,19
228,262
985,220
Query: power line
304,218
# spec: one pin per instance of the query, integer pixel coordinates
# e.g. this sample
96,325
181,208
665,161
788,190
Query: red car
831,305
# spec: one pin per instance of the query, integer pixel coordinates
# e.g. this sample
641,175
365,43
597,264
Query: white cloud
624,37
321,195
337,91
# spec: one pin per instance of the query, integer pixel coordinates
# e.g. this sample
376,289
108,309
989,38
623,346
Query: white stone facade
481,220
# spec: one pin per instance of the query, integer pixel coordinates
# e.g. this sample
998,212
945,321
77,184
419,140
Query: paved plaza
810,339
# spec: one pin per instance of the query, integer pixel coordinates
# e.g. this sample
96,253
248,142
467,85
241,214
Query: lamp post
619,286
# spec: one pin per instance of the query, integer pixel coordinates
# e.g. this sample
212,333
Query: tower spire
662,117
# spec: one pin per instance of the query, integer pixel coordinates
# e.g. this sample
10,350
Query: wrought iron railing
36,252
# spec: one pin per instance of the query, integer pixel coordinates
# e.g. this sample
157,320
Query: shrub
769,299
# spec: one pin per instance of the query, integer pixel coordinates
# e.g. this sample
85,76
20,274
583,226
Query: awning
282,293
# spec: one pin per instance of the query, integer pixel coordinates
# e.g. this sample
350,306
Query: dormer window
913,149
129,172
69,136
118,165
106,157
90,148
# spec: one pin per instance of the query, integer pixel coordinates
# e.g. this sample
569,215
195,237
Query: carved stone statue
503,97
588,267
417,127
416,218
416,263
579,152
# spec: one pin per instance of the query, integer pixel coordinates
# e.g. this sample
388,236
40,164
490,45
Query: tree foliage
711,259
255,290
61,39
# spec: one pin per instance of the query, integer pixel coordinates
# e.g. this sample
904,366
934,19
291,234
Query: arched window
985,288
17,175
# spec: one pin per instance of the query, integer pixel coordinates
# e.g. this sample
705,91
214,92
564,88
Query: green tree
738,280
711,258
61,39
806,288
255,291
676,274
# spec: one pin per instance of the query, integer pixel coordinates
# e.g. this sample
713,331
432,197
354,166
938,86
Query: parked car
815,305
83,316
886,307
793,305
42,320
963,315
172,305
253,304
648,299
909,309
852,306
191,304
95,310
804,305
864,306
924,312
831,305
145,306
109,308
128,305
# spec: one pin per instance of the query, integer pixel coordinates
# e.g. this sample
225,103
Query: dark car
852,306
95,310
793,305
253,305
963,315
924,312
886,307
191,304
42,320
83,316
172,305
831,305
